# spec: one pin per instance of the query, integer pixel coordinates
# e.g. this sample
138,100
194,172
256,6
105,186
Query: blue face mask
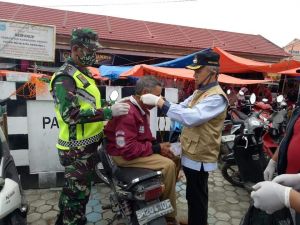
88,58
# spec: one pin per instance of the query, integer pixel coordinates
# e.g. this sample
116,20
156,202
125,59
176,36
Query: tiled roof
136,31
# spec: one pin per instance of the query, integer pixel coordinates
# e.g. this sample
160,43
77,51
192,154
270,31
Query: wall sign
19,40
101,59
42,137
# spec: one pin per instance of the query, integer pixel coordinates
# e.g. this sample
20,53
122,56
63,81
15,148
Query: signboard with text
101,59
19,40
42,137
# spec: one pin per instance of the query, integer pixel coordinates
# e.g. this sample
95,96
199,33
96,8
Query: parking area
227,204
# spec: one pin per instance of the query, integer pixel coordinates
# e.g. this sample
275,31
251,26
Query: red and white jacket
129,135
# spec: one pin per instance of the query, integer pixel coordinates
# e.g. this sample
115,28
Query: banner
19,40
101,59
42,137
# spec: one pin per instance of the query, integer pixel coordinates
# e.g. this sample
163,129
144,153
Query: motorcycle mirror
264,100
283,104
279,98
114,95
241,93
228,91
252,98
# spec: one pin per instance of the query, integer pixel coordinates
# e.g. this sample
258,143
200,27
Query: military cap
85,37
205,58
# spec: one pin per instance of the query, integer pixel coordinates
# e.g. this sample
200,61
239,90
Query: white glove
150,99
270,196
270,170
119,109
289,180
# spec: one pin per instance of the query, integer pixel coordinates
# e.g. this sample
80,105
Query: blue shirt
200,113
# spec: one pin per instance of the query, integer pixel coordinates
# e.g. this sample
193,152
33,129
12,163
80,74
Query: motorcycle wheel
101,174
231,173
158,221
15,218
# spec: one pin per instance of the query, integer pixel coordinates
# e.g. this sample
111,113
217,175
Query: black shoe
82,221
59,220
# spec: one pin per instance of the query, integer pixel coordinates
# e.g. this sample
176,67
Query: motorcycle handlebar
237,121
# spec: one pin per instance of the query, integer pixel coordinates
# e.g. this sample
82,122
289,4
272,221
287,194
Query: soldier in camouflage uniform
80,115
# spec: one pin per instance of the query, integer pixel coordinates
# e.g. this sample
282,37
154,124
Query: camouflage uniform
79,162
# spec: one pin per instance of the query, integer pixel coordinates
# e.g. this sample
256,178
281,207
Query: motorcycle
13,206
231,128
135,191
244,164
265,107
244,104
277,123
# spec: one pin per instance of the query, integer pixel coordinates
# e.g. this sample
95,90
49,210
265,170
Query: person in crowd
202,115
130,141
80,115
262,91
232,96
241,96
285,159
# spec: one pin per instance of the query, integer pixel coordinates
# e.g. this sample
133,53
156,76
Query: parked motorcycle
277,123
265,108
229,132
245,164
13,207
135,191
244,104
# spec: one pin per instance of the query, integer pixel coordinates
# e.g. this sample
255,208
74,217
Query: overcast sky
277,20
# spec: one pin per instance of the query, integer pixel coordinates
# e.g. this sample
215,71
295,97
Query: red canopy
185,74
234,64
233,80
143,69
292,72
96,73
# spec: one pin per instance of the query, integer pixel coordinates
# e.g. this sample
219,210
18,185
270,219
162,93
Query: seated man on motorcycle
130,141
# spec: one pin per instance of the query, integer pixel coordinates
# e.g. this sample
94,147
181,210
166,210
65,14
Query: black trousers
297,219
196,195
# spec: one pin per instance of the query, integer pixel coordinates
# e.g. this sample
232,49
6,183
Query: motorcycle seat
127,175
263,106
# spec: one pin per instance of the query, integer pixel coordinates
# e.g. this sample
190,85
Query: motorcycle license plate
228,138
154,211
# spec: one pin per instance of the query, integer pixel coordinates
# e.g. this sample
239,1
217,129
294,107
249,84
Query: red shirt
129,135
263,93
293,154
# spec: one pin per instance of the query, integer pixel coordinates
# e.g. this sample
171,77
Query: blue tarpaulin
181,62
114,72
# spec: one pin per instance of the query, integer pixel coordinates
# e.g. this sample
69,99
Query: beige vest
202,143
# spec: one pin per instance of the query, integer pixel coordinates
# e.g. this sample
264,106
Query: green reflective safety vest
89,98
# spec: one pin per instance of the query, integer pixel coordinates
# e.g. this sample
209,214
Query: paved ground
227,204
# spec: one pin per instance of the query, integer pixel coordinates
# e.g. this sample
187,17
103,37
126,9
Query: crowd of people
80,116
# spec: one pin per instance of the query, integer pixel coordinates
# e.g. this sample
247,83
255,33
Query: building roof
136,31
